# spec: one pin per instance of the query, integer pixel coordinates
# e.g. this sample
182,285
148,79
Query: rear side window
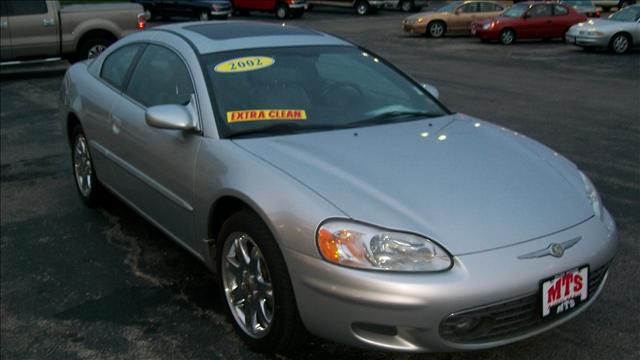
468,8
116,65
560,10
541,10
489,7
160,78
28,7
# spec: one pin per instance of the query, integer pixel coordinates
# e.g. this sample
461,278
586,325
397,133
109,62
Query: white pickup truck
40,29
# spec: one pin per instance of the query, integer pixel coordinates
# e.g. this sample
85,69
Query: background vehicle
39,29
407,5
199,9
606,5
619,33
587,8
281,8
454,17
528,20
363,7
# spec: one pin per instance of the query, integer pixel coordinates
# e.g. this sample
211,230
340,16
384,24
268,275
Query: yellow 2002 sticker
247,63
265,115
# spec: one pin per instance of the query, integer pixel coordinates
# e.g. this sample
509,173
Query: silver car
619,33
331,193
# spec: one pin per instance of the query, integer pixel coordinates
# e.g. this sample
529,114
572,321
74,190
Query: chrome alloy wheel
620,44
95,50
247,285
82,166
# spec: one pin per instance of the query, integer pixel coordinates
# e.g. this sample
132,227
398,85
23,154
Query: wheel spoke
238,296
241,244
250,313
264,314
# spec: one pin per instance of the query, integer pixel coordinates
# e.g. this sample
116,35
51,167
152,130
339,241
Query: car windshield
269,91
630,13
516,11
449,7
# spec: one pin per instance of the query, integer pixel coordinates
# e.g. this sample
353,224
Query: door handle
48,22
116,124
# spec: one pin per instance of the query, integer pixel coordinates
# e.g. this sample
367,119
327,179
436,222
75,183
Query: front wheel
255,283
507,37
436,29
87,184
282,11
620,44
362,7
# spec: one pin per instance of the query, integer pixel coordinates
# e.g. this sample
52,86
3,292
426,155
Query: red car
528,20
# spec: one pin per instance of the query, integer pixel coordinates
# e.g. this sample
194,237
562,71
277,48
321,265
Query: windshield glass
450,7
516,10
270,91
630,13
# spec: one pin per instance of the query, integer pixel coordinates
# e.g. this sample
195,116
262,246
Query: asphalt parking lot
81,283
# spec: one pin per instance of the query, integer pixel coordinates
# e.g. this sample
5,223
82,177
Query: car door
462,16
154,167
561,21
536,22
5,33
34,29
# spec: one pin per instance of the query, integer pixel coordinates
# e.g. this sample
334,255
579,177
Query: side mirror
432,90
173,117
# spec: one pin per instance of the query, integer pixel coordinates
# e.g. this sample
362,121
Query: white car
619,33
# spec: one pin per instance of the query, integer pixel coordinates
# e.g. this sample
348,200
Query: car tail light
141,21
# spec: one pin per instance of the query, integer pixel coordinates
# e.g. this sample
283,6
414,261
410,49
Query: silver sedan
619,33
333,194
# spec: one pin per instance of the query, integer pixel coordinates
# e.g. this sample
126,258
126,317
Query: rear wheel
255,284
362,7
87,184
620,43
407,5
93,47
282,11
436,29
507,36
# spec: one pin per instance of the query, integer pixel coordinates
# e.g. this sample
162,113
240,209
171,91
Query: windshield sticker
247,63
265,115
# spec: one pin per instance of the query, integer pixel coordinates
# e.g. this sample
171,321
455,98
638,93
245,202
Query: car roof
214,36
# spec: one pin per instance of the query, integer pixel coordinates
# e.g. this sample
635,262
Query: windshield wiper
390,115
278,129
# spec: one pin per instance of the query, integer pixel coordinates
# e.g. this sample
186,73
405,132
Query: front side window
468,8
539,11
116,65
284,90
28,7
160,78
516,11
490,7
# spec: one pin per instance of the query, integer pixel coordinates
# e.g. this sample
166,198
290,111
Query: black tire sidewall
286,331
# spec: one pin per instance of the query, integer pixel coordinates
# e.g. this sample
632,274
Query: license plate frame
567,303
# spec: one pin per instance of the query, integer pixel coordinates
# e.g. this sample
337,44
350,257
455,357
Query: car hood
467,184
602,25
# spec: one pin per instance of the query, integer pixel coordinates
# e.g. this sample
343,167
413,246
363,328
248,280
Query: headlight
362,246
420,20
592,196
488,26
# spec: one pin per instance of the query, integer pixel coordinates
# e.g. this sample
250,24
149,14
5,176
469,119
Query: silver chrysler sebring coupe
331,193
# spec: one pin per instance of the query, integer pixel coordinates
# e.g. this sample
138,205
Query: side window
541,10
160,78
468,8
489,7
115,66
559,10
28,7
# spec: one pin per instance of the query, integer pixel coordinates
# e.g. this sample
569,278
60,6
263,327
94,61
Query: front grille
507,319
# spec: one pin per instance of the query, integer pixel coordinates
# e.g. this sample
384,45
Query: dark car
528,20
281,8
200,9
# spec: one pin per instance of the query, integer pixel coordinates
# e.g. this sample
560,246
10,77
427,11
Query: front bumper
405,312
479,32
586,41
414,28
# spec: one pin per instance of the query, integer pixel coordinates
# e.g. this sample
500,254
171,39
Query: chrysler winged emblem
554,249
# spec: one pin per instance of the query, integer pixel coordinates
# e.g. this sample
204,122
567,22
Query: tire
89,188
248,283
620,43
282,11
507,37
92,47
362,7
204,16
436,29
407,5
